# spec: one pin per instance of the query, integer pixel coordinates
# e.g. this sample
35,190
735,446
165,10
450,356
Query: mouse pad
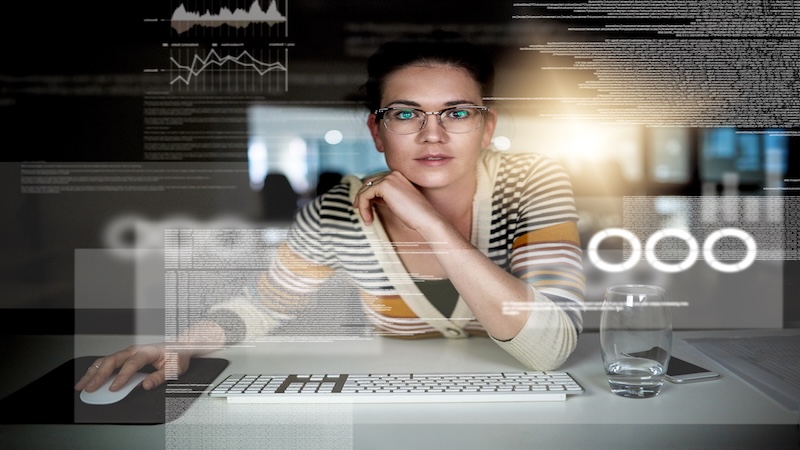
51,399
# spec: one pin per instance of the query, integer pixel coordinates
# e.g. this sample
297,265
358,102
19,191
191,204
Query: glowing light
294,164
501,143
257,164
636,252
708,247
333,137
121,233
749,242
650,250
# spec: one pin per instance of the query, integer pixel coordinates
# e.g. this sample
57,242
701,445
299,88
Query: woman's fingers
91,372
395,191
100,370
135,360
365,198
128,361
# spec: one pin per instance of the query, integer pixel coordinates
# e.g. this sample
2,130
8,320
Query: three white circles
685,236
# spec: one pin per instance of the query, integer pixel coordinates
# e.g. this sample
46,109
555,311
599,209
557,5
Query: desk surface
722,413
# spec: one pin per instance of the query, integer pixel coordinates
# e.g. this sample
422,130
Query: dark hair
437,47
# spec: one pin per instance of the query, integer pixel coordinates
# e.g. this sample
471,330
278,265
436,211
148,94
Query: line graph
229,70
184,19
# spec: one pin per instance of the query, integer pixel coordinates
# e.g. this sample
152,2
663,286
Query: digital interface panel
675,121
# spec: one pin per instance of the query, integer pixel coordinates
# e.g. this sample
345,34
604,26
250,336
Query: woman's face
432,158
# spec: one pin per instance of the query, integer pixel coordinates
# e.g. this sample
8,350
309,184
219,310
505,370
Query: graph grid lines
223,70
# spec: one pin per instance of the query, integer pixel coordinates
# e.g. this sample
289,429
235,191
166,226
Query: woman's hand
400,195
129,361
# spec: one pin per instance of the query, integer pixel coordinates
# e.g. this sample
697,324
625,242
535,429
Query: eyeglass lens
453,120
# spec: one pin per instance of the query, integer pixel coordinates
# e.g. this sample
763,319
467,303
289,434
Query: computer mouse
103,396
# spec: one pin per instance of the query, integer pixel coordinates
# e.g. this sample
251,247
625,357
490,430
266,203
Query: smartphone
678,370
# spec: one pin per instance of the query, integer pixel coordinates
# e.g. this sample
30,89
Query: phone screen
676,366
680,367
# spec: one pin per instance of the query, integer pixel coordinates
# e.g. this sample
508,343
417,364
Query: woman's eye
459,114
404,114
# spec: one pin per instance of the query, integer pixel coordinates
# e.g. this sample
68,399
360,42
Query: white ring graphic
749,242
652,241
636,250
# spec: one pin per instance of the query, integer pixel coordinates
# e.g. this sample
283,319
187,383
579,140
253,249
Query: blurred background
230,115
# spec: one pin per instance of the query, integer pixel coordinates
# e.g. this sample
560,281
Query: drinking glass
635,339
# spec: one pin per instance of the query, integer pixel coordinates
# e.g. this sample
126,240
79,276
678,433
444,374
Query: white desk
724,413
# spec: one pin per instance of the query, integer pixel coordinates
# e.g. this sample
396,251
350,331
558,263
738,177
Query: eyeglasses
458,119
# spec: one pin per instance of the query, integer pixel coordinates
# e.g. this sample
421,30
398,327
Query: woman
454,240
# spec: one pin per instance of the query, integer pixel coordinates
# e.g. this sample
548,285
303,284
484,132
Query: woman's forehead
430,83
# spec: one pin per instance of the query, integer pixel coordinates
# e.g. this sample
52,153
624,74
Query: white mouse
102,396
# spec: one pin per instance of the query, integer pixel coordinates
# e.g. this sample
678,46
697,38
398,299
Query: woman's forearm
483,285
200,338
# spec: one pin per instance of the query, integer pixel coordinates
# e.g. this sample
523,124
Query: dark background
73,87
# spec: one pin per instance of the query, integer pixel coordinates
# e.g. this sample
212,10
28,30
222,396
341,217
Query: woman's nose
432,130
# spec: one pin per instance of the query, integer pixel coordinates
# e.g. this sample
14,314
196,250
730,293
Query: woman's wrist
203,337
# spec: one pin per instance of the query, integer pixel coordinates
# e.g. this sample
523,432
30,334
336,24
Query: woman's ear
374,131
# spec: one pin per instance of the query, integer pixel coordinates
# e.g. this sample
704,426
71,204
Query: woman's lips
434,160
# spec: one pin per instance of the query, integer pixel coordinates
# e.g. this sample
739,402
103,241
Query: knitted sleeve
546,254
285,289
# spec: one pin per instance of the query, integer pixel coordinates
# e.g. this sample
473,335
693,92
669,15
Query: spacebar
398,398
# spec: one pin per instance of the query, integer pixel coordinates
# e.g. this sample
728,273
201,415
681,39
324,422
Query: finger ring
369,183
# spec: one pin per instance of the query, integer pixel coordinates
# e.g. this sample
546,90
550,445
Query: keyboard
398,388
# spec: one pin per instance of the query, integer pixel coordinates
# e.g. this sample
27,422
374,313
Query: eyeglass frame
380,112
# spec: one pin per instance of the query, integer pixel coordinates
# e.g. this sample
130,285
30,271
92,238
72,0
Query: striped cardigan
521,205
